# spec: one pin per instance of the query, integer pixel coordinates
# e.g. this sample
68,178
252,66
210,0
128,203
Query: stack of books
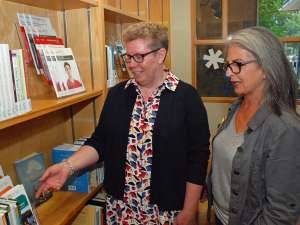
14,93
15,207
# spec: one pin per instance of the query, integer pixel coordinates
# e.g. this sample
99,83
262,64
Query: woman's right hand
53,178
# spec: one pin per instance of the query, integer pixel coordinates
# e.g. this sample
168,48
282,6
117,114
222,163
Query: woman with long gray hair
255,175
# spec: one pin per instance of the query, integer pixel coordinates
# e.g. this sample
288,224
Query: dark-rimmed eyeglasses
236,66
139,58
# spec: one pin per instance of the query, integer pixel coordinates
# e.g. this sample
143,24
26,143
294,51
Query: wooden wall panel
143,9
114,3
155,11
78,40
130,6
166,22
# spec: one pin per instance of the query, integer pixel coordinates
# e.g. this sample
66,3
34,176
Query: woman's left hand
186,218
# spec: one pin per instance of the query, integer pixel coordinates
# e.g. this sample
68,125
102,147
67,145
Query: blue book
29,170
79,182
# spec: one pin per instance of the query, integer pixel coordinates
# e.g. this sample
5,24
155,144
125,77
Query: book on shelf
15,204
29,170
84,180
90,215
77,182
1,172
63,71
14,99
112,76
27,213
41,43
31,26
121,54
13,211
5,184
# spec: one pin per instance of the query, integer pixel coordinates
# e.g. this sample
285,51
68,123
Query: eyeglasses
236,66
139,58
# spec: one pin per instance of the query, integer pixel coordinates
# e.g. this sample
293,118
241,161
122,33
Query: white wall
180,46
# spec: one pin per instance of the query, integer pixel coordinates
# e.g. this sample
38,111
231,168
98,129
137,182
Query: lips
235,83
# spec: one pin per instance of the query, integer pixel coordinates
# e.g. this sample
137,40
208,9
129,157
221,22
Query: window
214,20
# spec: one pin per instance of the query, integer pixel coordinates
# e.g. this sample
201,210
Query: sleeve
198,138
97,140
282,181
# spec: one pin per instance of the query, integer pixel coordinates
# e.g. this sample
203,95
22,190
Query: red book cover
28,58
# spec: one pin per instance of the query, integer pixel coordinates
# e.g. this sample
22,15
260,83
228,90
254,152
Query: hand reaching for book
53,178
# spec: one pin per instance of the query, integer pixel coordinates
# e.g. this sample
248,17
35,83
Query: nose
228,72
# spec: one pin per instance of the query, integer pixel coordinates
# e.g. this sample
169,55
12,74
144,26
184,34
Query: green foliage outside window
282,23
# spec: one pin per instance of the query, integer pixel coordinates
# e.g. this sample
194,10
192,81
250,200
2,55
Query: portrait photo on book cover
64,71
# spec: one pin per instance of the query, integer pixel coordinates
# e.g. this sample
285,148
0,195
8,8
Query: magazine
63,70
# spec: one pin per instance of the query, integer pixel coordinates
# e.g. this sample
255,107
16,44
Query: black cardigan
180,143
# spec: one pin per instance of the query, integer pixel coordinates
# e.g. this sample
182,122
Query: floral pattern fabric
135,208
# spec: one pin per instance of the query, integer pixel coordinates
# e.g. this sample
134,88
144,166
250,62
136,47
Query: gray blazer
265,176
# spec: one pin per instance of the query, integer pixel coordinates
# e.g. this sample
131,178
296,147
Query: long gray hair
281,81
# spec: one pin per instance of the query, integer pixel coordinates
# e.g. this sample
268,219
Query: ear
162,53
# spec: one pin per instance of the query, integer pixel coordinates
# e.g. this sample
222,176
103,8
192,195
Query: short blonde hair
156,33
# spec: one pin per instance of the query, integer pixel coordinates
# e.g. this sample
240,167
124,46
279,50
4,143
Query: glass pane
241,14
292,50
282,23
209,19
211,79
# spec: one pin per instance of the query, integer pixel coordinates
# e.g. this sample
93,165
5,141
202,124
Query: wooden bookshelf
116,15
63,207
58,4
44,106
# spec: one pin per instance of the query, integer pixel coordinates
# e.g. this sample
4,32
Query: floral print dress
135,208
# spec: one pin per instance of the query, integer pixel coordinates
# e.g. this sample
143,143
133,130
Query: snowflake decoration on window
213,59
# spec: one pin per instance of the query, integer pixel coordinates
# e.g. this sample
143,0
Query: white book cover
5,184
7,93
18,193
112,76
1,172
64,72
24,102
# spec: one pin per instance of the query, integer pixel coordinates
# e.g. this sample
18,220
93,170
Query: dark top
180,143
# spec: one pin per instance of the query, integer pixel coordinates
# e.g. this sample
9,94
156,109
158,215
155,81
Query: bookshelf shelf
116,15
44,106
58,4
63,207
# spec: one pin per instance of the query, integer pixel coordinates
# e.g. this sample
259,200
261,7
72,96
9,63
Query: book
35,26
27,213
1,172
78,182
13,210
7,100
5,184
112,76
63,70
22,100
87,216
41,43
29,170
121,54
